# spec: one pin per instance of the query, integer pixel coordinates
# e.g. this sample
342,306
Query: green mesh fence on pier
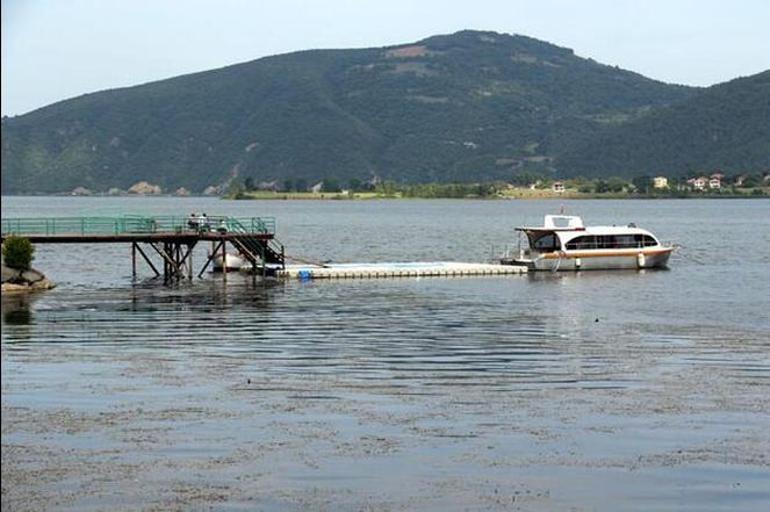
130,224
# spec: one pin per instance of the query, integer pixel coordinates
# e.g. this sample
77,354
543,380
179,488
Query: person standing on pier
203,222
192,221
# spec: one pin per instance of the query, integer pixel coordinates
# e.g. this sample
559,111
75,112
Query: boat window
626,241
582,242
605,241
610,242
549,242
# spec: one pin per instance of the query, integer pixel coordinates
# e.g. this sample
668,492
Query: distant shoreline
541,195
365,196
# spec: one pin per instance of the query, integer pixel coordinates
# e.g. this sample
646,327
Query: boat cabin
567,233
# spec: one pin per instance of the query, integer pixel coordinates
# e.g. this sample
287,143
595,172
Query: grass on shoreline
512,193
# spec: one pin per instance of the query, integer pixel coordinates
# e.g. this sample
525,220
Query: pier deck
171,238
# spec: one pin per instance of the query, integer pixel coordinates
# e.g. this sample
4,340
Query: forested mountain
471,106
724,127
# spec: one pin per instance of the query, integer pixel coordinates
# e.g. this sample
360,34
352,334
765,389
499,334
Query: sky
58,49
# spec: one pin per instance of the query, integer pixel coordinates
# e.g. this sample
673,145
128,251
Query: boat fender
641,260
305,275
578,262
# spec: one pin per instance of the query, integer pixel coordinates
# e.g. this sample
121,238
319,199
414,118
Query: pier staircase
257,244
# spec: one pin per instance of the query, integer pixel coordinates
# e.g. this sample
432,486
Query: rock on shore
24,280
144,188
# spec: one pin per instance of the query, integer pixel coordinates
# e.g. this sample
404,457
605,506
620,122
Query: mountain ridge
725,127
468,106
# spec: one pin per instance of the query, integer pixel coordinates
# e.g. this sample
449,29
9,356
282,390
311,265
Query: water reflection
418,332
211,294
17,308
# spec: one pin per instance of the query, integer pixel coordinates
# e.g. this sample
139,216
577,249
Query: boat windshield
544,242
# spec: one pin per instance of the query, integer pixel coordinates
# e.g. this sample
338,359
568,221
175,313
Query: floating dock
393,270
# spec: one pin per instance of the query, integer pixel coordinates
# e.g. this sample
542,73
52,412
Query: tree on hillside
330,185
643,184
616,185
300,185
354,184
526,179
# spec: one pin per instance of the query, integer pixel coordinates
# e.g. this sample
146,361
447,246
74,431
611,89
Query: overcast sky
57,49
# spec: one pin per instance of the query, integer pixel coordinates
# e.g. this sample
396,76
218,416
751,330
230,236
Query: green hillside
467,106
725,127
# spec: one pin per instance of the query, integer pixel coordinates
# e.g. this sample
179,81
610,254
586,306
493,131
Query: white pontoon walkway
385,270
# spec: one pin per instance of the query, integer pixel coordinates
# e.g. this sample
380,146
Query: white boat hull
597,260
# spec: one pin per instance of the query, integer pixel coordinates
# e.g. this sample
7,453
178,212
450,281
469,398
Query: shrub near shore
17,272
18,252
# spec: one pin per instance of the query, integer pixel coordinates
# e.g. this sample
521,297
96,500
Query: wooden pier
171,238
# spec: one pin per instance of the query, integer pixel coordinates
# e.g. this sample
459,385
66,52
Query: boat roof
557,223
562,223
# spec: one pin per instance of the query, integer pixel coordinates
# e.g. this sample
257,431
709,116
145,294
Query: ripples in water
434,331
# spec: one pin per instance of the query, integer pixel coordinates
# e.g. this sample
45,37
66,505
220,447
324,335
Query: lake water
616,390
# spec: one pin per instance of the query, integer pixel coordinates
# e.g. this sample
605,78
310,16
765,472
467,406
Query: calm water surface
585,391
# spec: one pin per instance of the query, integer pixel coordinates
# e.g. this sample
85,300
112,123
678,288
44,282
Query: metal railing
134,224
258,226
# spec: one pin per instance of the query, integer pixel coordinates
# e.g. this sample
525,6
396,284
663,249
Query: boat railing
513,251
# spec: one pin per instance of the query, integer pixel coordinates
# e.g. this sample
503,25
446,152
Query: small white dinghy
231,263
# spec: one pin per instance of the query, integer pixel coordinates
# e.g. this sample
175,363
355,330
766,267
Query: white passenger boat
564,243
